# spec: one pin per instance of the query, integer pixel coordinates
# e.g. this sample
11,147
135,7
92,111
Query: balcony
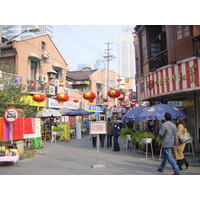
35,86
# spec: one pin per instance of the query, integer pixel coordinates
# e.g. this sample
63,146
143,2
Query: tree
13,95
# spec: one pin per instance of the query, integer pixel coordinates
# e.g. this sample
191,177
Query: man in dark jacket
167,133
116,131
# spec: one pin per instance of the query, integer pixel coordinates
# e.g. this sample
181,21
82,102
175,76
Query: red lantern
120,98
124,105
39,97
105,100
106,105
114,105
89,95
62,97
75,100
91,101
113,93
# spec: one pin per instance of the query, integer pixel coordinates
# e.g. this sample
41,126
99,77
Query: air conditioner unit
43,78
45,55
51,90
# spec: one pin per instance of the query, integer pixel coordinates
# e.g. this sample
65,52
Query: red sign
133,97
11,114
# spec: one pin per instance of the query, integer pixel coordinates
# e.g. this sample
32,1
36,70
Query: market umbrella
48,113
158,111
67,112
81,112
134,112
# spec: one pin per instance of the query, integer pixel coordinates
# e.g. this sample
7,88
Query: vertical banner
78,130
66,133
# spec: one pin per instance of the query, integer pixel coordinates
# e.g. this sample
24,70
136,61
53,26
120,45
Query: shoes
176,174
180,168
187,165
160,170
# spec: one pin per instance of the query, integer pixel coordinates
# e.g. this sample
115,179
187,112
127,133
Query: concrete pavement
77,156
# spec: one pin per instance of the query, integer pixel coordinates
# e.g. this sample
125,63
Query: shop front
178,85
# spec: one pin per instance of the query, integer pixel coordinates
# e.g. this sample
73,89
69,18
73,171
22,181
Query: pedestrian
120,122
178,153
130,124
109,127
102,139
167,134
116,131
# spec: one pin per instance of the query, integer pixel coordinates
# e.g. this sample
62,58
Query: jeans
167,156
102,139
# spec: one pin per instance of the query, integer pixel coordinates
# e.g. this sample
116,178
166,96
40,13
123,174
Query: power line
78,41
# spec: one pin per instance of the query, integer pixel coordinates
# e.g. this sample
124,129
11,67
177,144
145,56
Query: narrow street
77,156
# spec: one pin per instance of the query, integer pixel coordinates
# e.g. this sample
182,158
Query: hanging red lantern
120,98
105,100
89,95
62,97
106,105
114,105
39,97
75,100
124,105
113,93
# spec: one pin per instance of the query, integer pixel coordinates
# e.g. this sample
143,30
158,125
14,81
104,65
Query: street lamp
23,31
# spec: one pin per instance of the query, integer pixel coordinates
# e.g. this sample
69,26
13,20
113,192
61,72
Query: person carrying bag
178,153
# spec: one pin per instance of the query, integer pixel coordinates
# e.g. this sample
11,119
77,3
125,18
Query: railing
35,86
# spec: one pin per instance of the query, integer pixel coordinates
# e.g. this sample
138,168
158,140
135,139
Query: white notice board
97,127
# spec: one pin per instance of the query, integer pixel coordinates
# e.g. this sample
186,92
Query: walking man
169,141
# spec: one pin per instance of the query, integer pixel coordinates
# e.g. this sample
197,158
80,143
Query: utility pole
107,58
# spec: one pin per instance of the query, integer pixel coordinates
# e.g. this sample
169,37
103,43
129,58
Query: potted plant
125,132
58,130
142,136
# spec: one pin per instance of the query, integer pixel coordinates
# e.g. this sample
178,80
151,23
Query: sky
84,44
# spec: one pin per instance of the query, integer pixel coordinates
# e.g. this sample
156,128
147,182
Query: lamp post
23,31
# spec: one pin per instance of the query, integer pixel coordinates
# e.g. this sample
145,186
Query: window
33,70
155,49
182,31
144,47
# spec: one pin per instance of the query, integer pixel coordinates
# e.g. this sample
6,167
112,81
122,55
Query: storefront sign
28,99
183,76
93,108
175,103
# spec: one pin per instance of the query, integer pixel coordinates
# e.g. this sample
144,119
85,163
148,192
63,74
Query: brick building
168,68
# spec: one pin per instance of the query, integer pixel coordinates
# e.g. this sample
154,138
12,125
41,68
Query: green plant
140,134
83,126
71,127
158,141
126,131
57,129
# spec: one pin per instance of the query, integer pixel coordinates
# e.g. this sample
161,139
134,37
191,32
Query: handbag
185,137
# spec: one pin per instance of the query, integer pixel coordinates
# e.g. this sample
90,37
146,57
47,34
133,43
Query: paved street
77,156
